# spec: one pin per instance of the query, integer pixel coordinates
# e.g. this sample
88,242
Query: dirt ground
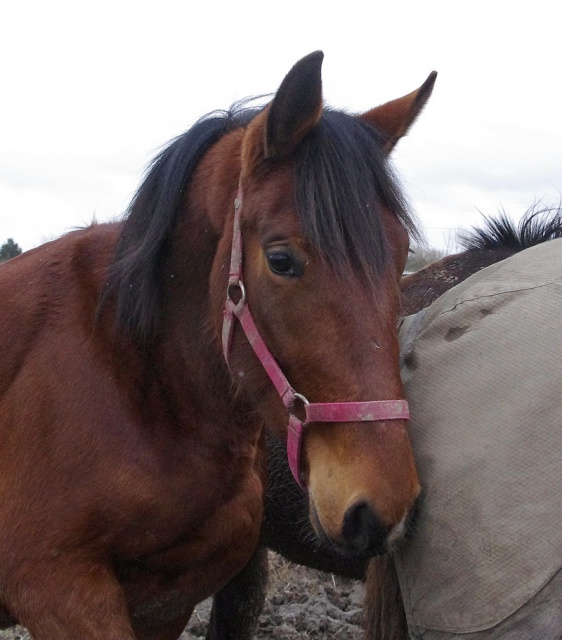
301,604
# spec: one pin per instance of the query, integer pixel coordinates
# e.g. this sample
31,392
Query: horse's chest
176,497
190,547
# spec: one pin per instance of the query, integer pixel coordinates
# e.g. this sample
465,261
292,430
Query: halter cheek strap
372,411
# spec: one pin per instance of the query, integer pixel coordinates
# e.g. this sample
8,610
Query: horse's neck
188,357
422,288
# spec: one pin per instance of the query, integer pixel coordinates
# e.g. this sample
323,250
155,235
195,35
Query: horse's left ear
394,118
294,111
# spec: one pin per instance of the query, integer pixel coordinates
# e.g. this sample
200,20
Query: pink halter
372,411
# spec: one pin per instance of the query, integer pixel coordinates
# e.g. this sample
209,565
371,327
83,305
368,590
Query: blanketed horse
527,605
286,528
142,359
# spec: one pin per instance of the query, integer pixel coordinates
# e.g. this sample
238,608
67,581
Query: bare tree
421,256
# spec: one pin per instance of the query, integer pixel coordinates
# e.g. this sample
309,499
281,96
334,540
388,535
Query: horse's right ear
294,111
296,108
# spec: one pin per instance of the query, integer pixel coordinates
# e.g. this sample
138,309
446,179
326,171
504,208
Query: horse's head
325,239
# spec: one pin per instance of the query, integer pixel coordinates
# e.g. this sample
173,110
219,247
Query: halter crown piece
372,411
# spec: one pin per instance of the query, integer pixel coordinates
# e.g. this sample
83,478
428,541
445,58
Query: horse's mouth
397,534
341,548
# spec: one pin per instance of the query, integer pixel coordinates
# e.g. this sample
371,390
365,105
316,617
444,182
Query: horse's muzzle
365,535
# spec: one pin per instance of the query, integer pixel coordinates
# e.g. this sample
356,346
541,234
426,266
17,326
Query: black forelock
343,178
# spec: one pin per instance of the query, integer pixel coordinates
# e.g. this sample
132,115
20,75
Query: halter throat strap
236,308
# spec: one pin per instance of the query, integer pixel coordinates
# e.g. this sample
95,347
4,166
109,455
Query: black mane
135,274
536,226
342,179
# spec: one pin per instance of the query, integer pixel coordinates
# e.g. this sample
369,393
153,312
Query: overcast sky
91,90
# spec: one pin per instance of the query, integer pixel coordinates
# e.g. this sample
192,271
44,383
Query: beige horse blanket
483,375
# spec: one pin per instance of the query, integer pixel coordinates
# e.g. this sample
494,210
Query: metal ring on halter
297,396
300,397
240,286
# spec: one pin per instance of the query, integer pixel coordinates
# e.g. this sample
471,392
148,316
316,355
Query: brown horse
132,454
286,529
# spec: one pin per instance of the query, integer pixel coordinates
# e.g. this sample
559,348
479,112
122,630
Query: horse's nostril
363,530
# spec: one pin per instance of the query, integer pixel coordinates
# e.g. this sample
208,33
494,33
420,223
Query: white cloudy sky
90,91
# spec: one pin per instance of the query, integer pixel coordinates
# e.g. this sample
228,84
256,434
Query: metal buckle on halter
236,284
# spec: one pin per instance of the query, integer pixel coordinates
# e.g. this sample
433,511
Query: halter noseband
372,411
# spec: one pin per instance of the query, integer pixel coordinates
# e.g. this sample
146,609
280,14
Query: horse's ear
394,118
295,109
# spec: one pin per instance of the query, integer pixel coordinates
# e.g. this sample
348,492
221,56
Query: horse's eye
282,264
